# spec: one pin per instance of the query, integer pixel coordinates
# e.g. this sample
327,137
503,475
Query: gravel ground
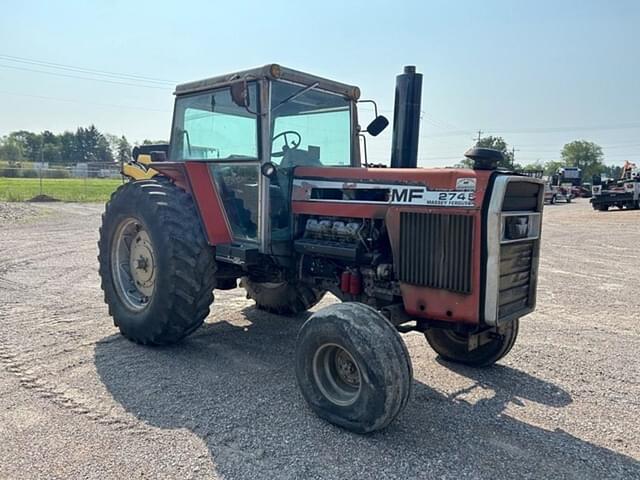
79,401
11,213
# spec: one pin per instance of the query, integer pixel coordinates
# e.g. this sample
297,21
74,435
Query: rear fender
195,178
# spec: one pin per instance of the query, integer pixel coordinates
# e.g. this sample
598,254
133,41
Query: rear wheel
282,298
156,268
353,368
454,347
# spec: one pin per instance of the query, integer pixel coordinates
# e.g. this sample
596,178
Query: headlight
516,227
520,226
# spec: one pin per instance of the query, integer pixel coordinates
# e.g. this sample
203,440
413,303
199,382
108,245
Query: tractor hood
452,188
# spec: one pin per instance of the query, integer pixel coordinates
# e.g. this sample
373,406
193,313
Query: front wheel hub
336,374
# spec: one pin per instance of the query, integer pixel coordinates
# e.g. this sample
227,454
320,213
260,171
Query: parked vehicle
621,193
550,193
264,182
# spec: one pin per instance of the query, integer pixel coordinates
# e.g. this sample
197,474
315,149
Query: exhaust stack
406,119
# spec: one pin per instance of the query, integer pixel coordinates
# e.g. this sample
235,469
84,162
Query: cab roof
271,71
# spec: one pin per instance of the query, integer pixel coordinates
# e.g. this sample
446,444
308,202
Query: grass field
65,189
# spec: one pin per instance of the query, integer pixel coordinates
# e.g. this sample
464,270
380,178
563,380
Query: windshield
210,126
309,126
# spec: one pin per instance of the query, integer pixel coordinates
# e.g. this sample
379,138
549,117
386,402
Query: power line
14,67
68,100
534,131
61,66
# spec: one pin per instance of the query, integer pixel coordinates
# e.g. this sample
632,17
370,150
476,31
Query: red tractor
263,184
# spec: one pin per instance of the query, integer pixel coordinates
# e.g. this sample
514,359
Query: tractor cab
251,129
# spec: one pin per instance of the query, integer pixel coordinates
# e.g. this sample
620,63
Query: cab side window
210,126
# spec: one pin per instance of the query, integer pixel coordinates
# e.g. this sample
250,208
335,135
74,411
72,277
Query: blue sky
539,73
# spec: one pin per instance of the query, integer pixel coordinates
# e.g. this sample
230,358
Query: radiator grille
515,277
435,250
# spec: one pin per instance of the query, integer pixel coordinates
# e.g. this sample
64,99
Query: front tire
282,298
156,268
453,347
353,368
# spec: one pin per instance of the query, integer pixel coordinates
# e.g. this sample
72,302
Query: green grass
65,189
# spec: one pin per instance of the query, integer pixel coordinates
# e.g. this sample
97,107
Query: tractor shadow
234,386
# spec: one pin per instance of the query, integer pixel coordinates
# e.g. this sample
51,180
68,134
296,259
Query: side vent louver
435,250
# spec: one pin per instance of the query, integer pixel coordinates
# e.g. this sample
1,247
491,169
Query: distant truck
552,192
569,175
564,182
622,193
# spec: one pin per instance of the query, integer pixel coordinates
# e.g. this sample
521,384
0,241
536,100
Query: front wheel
282,298
353,368
454,347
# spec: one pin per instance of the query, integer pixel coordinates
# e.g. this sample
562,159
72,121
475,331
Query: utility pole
513,156
480,132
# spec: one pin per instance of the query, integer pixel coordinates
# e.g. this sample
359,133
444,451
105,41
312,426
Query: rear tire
452,346
177,264
353,369
282,298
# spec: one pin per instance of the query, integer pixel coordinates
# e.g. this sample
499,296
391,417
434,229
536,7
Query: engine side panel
437,303
386,194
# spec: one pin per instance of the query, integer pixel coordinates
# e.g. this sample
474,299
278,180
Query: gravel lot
79,401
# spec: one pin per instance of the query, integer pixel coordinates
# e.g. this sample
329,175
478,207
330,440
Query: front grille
515,277
435,250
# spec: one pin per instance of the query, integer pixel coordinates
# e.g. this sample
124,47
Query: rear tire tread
184,303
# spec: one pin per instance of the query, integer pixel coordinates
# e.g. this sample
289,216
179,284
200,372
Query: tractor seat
301,158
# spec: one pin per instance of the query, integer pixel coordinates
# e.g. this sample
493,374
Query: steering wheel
286,146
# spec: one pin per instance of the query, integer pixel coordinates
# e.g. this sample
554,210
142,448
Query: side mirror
158,156
240,93
268,169
378,124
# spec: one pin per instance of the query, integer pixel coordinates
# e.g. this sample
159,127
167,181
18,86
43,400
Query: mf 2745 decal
352,192
422,196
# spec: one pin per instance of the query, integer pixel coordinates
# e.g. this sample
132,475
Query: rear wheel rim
337,374
133,264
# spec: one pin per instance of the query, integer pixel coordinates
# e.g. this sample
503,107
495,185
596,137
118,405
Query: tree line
587,156
85,145
89,145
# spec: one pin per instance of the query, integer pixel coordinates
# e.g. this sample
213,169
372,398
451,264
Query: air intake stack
406,119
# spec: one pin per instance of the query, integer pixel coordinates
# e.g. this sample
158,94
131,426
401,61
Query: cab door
210,127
